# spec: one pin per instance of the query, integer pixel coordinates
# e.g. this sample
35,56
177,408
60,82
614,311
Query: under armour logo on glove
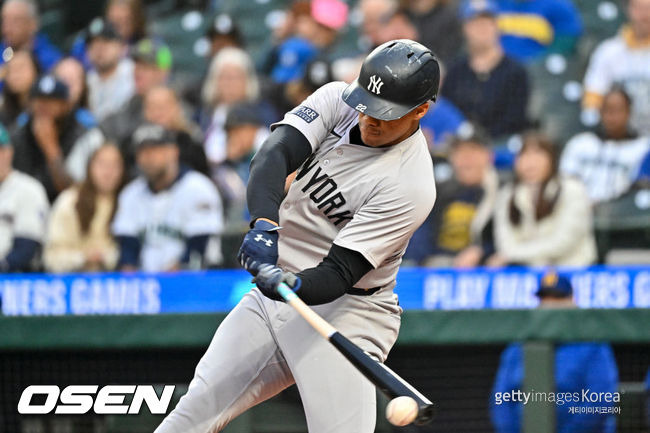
260,238
260,246
375,84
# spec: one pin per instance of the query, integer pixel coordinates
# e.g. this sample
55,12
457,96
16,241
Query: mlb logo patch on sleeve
305,113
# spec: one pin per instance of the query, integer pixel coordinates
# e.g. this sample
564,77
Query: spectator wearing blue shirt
20,23
488,87
578,366
441,122
533,28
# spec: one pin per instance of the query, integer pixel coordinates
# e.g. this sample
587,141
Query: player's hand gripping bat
386,380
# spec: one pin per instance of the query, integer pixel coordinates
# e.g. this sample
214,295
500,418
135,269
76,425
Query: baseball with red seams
401,411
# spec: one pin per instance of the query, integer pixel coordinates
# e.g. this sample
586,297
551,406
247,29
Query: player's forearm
282,153
333,277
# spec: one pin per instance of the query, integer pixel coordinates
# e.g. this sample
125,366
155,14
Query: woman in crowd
78,237
20,74
231,79
162,106
542,218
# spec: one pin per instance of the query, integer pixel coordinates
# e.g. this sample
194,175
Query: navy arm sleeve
334,276
129,251
282,153
20,256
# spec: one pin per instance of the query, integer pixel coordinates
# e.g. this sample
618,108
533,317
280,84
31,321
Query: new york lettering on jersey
325,195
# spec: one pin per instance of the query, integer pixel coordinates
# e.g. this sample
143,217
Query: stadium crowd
110,158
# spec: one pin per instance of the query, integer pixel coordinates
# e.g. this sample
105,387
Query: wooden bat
386,380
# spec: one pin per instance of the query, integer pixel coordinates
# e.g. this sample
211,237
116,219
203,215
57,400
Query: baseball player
364,183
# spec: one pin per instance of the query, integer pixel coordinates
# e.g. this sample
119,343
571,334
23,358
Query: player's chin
374,139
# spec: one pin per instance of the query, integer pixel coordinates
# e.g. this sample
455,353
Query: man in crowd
488,87
51,143
166,216
623,59
607,161
110,81
20,23
23,213
153,62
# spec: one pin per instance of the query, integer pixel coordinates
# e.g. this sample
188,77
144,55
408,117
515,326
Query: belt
363,292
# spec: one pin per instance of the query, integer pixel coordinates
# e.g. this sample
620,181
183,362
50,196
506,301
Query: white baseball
401,411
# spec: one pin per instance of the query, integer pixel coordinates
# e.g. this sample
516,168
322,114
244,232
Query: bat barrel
426,413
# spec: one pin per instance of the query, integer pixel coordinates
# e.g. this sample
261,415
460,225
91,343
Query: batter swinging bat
383,377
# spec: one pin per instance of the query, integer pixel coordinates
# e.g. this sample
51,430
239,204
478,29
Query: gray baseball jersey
366,199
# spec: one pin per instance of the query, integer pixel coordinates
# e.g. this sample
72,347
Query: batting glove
269,277
260,246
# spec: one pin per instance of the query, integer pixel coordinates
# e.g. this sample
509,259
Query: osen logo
80,399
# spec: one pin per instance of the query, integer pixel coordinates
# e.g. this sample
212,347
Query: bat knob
425,414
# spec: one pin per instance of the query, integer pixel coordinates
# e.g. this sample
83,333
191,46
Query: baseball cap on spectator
468,133
150,134
5,140
100,28
243,114
153,52
555,285
293,56
474,8
332,14
317,73
223,25
48,86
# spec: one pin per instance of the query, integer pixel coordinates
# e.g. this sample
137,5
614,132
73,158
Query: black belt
363,292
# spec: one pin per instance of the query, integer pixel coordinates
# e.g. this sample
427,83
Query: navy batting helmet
396,77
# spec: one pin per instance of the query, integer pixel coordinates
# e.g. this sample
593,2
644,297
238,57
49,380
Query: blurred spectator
20,25
608,161
315,35
578,367
78,235
457,232
533,28
317,74
51,144
397,25
223,33
20,74
231,80
110,81
129,20
283,31
625,60
487,86
166,216
153,62
373,13
542,218
438,26
23,212
163,107
442,122
245,134
71,72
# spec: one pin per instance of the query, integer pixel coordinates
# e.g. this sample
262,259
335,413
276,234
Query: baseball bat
386,380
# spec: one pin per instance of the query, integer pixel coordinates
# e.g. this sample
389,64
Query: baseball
401,411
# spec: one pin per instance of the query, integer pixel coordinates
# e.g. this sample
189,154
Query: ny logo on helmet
375,84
